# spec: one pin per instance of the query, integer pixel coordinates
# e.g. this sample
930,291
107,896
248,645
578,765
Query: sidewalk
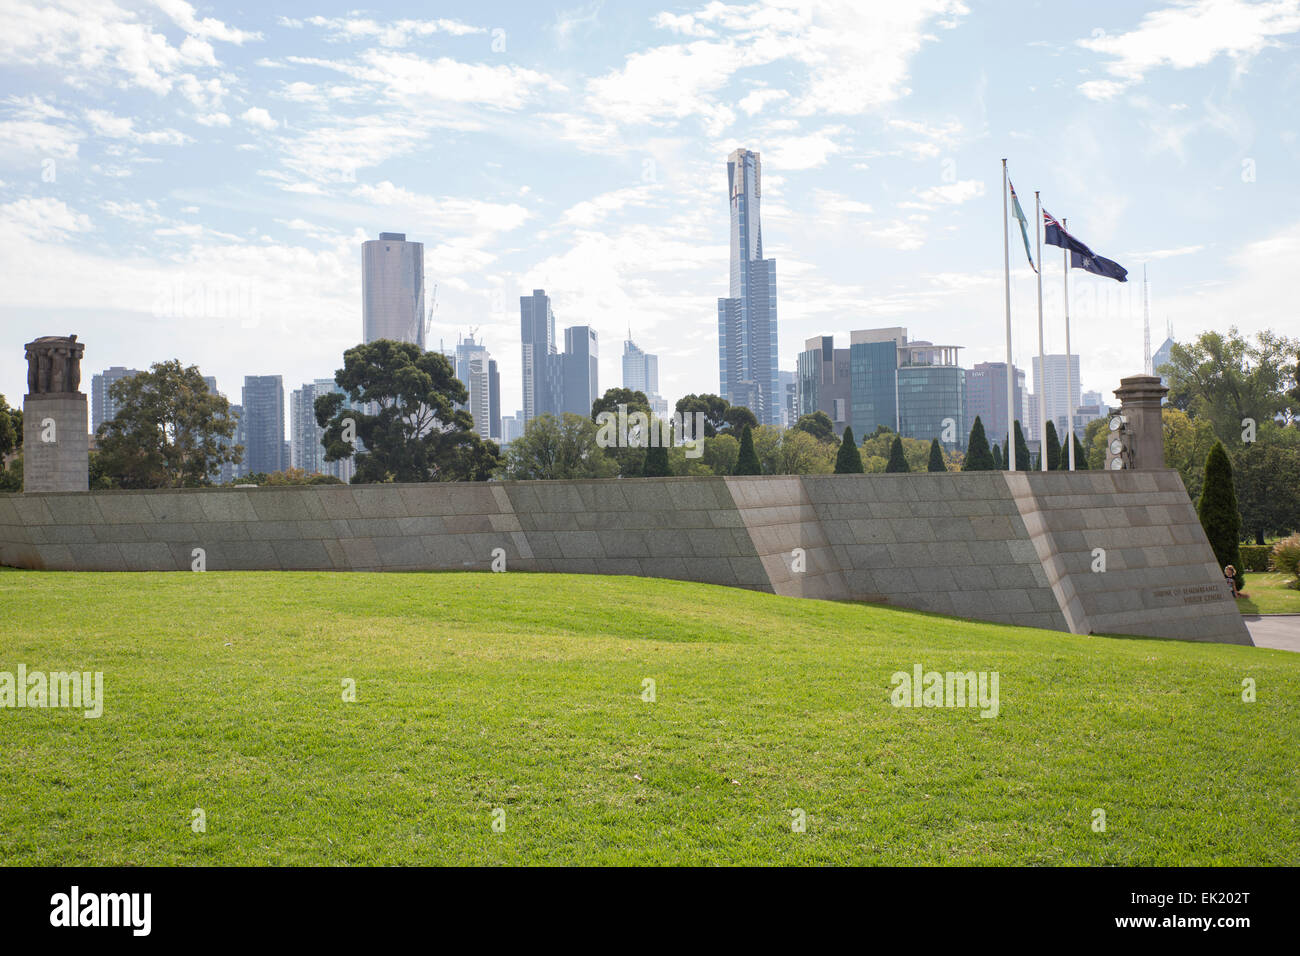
1281,631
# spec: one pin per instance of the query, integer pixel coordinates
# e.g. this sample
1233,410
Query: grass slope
1268,594
523,692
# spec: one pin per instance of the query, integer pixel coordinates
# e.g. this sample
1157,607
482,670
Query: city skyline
210,202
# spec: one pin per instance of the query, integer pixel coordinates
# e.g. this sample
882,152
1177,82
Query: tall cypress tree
978,456
1080,456
998,463
897,460
936,457
1218,511
1053,446
1022,448
747,461
849,459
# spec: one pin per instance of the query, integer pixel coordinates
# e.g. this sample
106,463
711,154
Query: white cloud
106,124
257,116
803,152
1188,35
208,28
445,214
953,193
753,102
212,119
41,219
391,34
592,211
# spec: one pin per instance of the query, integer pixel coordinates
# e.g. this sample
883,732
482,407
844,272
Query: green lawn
1268,594
478,692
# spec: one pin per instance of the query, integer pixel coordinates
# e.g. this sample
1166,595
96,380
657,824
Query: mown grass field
1267,593
523,693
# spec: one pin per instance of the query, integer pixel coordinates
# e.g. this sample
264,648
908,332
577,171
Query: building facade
103,408
579,370
823,381
392,289
1054,395
537,339
263,424
873,375
747,318
986,397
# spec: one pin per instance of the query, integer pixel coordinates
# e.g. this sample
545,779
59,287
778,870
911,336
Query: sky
195,181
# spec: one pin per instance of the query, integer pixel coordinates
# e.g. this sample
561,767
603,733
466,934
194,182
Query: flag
1081,257
1024,226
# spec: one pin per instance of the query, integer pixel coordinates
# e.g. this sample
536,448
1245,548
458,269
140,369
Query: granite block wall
1014,548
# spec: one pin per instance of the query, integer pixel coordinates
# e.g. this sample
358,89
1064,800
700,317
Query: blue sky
194,181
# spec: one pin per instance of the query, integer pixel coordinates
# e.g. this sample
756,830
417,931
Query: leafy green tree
714,408
789,451
1053,445
1227,379
1187,443
11,429
11,477
738,417
897,460
170,431
418,433
978,456
849,460
1266,474
656,462
936,457
721,454
635,401
630,458
1218,511
747,461
818,424
552,448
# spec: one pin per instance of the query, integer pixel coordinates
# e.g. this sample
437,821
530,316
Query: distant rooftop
394,236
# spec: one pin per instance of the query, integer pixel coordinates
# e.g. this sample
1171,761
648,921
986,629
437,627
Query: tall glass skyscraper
537,338
392,289
263,424
747,359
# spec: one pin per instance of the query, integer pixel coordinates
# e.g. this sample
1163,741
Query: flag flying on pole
1081,257
1024,226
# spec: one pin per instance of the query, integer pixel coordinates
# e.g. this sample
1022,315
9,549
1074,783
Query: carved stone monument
56,444
1140,397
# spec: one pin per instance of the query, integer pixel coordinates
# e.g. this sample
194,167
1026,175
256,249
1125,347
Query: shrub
1256,557
1218,512
1286,556
849,459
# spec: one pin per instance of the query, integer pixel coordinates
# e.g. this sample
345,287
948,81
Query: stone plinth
56,443
1140,397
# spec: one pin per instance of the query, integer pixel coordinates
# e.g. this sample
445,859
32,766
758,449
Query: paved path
1275,630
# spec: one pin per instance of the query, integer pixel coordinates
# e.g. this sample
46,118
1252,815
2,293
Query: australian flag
1081,257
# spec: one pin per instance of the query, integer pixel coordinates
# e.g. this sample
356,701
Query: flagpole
1006,274
1069,386
1042,358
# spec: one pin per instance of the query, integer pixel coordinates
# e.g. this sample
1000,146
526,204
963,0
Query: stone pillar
1140,397
56,423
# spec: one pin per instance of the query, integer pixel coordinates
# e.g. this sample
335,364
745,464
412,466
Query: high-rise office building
986,397
932,394
787,384
823,381
392,289
1050,387
578,370
873,375
307,450
537,338
230,471
263,424
747,323
641,374
103,407
474,368
512,426
1162,356
494,400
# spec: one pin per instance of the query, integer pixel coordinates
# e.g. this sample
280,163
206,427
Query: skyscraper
392,289
873,373
306,448
578,370
537,338
1050,387
474,368
494,400
932,394
641,374
747,341
824,380
263,424
102,406
986,397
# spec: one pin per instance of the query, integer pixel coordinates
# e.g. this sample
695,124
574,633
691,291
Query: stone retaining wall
1016,548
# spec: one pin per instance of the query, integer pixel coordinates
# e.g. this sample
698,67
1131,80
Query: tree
737,417
635,401
978,456
747,460
818,424
1022,449
11,429
418,433
788,451
721,454
170,431
1187,443
998,463
656,462
1053,445
1218,512
897,460
876,450
936,457
1227,379
714,408
1080,458
552,448
630,459
849,459
1266,475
